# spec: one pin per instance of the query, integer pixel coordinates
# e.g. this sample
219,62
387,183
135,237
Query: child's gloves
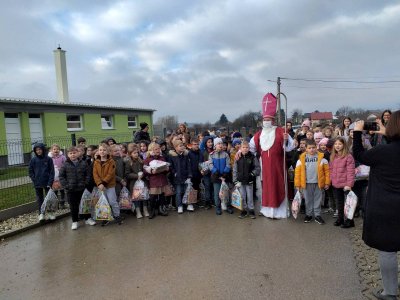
238,184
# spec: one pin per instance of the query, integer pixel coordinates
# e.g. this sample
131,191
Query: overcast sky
199,59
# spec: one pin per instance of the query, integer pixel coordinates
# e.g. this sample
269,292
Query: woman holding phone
381,228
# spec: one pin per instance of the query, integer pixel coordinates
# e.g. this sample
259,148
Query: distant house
318,118
24,122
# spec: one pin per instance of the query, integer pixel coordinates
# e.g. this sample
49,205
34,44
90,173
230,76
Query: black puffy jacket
74,177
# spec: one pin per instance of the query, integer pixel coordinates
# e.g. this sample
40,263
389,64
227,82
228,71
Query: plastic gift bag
236,199
50,202
85,206
224,193
95,196
296,204
362,172
291,174
140,191
350,205
185,198
124,199
169,190
103,209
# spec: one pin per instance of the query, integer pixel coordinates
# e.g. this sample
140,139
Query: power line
342,88
340,81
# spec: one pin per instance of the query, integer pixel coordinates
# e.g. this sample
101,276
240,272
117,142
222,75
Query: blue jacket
180,166
41,168
196,157
203,143
220,163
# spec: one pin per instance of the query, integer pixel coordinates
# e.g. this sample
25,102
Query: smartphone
371,126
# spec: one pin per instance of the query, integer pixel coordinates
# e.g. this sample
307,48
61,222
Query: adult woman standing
381,222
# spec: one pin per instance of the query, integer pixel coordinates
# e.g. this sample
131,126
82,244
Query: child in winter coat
245,171
134,171
74,177
158,181
58,160
119,168
181,172
195,158
342,171
105,179
220,169
312,178
41,172
205,172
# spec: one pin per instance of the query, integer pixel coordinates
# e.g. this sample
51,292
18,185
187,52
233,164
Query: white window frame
103,116
75,122
136,121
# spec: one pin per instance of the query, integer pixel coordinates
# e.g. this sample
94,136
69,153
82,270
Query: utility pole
278,82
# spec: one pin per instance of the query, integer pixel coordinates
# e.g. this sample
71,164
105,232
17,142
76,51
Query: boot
338,222
138,213
145,211
348,223
152,213
162,211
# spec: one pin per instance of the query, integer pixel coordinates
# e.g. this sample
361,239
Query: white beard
267,138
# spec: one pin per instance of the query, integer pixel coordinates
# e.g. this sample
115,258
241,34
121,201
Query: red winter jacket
155,180
342,171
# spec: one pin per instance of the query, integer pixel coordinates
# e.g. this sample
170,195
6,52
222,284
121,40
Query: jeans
40,196
246,190
217,187
208,188
180,190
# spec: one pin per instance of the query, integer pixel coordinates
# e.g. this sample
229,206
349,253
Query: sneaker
319,220
41,217
90,222
218,211
307,219
252,214
190,207
336,214
52,216
243,214
145,211
229,210
74,226
338,222
223,206
180,210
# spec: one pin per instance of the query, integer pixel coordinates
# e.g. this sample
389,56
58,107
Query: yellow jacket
300,179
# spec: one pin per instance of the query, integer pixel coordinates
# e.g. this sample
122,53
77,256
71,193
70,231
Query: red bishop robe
272,177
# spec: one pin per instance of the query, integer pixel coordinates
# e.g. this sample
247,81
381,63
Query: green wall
2,127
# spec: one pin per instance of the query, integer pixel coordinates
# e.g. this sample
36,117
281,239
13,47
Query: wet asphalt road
189,256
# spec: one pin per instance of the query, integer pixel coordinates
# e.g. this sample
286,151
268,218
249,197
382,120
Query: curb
32,226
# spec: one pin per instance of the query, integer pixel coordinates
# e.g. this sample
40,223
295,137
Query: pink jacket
342,171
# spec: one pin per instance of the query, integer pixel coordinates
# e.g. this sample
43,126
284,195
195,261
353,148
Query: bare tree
297,116
169,122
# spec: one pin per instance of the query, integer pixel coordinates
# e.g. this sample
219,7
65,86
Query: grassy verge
17,195
14,172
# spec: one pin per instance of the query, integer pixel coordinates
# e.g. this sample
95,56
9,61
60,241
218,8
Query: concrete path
8,183
189,256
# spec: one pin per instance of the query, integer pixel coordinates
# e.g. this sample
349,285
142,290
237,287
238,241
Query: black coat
382,207
74,177
141,136
180,166
196,157
41,168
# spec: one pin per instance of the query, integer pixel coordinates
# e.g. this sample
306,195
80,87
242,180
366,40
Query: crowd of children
322,163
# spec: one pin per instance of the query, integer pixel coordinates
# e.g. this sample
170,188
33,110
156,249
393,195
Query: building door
14,139
35,128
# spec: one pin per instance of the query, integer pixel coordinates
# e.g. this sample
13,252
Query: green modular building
24,122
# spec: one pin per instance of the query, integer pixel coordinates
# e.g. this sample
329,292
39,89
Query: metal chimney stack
61,75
